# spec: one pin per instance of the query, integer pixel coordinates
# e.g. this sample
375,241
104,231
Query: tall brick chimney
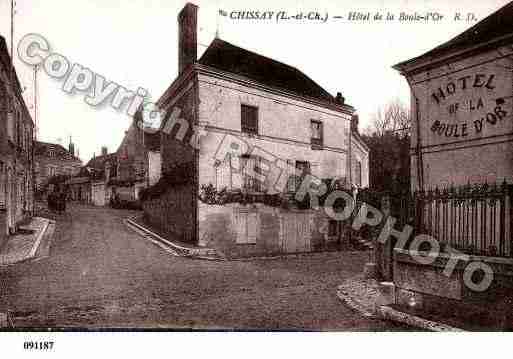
187,36
104,151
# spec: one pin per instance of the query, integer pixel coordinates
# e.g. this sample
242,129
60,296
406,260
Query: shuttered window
249,119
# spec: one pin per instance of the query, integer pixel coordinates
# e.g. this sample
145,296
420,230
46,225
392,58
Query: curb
291,255
37,243
35,247
354,305
168,246
388,313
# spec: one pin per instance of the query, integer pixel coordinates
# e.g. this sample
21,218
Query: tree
392,117
388,138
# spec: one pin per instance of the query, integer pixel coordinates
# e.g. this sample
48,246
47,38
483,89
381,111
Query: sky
134,44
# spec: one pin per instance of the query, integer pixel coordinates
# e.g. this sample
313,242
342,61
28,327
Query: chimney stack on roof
340,99
187,36
71,147
104,151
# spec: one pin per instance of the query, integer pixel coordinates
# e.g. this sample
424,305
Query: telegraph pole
36,128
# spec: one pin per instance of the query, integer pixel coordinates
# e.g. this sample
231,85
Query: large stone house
247,112
53,159
16,149
462,166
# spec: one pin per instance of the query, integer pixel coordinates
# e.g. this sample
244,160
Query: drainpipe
418,146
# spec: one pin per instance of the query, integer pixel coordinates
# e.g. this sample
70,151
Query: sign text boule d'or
486,113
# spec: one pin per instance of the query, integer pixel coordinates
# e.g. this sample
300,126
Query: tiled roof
47,149
98,162
230,58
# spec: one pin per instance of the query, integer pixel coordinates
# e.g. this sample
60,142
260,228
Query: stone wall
427,287
173,213
464,110
283,130
220,228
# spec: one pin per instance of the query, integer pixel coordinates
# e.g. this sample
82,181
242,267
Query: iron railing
474,219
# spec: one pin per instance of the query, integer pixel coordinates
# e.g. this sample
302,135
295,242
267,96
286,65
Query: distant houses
118,178
91,184
54,160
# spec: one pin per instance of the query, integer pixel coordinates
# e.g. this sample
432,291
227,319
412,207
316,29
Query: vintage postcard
274,166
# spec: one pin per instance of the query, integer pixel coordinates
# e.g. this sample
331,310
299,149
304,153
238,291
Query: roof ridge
303,85
462,38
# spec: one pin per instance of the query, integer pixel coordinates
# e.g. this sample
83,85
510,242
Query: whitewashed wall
284,127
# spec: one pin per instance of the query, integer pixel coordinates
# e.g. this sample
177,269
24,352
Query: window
224,173
316,130
51,171
251,173
10,125
333,228
303,168
358,174
249,119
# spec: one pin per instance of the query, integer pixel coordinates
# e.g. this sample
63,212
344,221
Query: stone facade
237,230
54,160
462,133
173,213
461,110
16,148
139,163
227,116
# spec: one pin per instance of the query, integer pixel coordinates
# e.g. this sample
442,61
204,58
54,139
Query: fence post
384,251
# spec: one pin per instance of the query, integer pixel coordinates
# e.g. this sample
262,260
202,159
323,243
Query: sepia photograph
280,167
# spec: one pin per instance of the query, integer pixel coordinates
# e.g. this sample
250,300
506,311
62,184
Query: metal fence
474,219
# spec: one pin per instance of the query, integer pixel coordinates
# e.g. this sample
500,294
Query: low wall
426,286
268,231
173,213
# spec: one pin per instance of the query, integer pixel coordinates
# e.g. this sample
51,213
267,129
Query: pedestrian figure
51,201
62,200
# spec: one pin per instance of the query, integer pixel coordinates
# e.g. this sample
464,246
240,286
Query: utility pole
36,94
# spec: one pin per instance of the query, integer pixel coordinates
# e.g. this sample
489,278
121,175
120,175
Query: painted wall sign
473,103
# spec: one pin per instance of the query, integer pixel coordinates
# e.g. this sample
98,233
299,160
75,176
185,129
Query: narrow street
101,274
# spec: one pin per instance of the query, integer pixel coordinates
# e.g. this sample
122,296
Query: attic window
249,119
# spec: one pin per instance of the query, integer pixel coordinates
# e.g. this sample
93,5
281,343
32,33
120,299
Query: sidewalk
24,245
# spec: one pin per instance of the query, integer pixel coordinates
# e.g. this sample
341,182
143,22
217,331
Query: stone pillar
383,251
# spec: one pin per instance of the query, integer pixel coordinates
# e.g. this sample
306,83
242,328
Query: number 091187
38,345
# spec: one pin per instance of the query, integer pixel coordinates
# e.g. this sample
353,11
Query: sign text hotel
474,95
